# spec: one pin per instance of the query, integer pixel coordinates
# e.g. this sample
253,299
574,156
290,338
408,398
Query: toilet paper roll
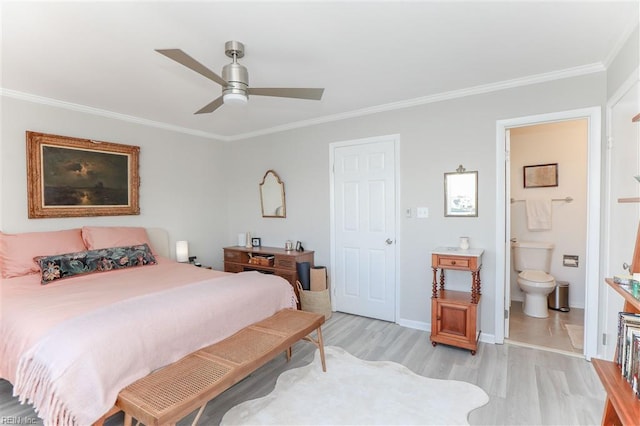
318,278
242,239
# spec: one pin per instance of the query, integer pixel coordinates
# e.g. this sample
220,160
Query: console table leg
434,290
441,279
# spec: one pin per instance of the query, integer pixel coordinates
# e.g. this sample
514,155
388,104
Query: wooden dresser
269,260
454,314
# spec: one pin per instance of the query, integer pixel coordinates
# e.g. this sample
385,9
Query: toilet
533,260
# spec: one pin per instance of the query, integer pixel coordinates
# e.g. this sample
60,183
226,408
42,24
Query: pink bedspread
121,325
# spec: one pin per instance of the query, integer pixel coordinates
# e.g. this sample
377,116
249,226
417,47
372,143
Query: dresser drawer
232,256
233,267
289,276
453,262
285,263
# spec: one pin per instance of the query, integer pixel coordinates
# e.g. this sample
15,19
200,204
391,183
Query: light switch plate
422,212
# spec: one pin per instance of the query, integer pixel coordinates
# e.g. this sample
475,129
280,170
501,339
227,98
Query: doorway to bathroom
563,151
548,204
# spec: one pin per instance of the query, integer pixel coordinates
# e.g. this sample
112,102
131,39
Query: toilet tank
532,255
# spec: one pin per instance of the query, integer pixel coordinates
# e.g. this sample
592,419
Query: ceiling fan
235,79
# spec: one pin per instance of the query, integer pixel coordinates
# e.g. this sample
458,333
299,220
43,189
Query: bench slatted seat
172,392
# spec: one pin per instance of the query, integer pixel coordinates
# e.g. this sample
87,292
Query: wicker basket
261,260
315,301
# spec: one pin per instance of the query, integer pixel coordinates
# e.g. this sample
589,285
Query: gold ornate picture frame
72,177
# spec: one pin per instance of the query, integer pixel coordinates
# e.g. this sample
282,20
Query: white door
364,206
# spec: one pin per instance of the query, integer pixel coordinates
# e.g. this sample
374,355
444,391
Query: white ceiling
367,55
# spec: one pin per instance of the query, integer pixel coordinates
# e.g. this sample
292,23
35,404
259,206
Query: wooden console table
278,261
621,407
454,314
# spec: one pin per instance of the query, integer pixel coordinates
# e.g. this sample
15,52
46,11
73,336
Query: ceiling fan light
234,99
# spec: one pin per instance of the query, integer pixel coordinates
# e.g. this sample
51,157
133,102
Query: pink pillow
99,237
18,250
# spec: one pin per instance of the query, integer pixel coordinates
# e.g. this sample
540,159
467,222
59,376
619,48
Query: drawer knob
453,262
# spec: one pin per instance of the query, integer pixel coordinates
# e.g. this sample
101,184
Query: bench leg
320,345
195,421
288,352
321,348
113,410
127,419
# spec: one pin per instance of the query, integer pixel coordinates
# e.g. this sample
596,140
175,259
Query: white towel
538,214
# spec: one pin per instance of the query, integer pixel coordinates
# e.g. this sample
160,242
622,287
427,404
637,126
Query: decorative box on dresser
454,314
269,260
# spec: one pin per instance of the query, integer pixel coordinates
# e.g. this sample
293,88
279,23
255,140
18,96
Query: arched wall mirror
272,195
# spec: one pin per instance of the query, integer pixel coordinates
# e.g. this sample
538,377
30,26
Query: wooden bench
170,393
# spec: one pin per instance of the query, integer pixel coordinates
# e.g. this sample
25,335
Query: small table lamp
182,251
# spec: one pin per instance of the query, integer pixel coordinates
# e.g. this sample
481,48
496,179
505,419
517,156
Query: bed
69,345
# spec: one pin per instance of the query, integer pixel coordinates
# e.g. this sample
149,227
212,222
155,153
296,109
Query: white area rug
358,392
576,335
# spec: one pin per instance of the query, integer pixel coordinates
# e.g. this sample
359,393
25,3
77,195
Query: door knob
389,241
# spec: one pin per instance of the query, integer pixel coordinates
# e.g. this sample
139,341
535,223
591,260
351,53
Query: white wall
624,63
206,192
564,143
434,139
182,177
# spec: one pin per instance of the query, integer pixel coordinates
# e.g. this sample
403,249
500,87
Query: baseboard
425,326
416,325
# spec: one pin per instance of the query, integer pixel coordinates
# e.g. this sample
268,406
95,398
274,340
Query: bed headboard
159,239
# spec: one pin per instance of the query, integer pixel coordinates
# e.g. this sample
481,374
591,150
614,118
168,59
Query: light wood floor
526,386
548,332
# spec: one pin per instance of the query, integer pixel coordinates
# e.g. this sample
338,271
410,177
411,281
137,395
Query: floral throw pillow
85,262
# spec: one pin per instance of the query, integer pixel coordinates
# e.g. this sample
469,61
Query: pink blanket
72,363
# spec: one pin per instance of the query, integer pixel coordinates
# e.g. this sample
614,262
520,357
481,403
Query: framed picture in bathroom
540,175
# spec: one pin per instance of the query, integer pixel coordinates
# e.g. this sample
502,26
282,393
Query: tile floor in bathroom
548,332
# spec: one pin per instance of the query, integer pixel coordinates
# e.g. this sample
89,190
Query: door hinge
604,339
506,314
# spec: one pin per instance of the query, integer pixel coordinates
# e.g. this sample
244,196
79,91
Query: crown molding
105,113
439,97
620,43
454,94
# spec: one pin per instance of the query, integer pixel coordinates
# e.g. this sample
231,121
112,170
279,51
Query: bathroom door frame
503,217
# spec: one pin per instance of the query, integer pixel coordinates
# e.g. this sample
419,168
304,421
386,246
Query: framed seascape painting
71,177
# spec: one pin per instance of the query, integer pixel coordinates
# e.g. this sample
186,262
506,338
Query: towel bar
565,199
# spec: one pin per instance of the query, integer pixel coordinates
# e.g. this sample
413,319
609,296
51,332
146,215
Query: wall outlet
422,212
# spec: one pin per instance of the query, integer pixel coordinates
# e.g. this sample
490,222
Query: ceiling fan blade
287,92
182,58
211,106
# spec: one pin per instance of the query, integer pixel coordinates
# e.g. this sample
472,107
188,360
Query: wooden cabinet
621,406
269,260
454,314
